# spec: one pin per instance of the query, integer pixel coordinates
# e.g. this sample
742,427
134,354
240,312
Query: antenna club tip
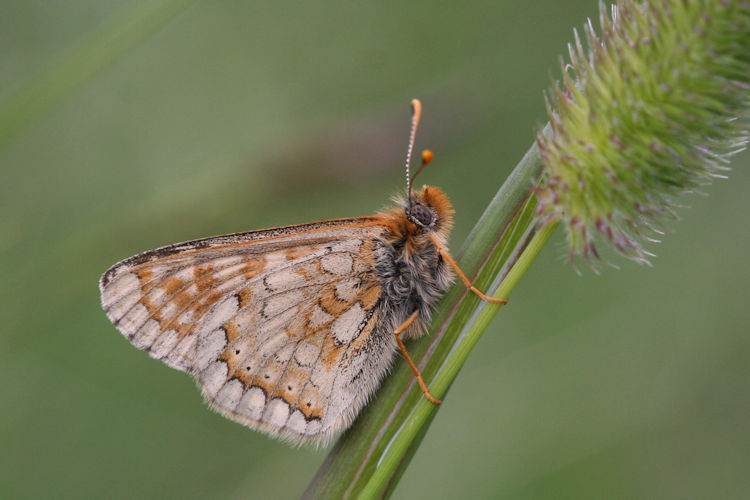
427,156
416,105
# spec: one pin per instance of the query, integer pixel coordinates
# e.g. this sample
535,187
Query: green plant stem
369,458
392,459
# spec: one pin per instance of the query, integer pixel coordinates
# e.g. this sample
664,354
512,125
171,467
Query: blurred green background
229,116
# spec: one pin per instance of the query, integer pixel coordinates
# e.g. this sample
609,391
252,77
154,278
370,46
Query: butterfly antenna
426,159
416,113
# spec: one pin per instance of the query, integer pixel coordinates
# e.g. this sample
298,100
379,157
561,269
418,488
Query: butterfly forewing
278,327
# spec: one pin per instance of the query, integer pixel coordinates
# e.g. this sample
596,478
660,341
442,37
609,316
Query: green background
232,116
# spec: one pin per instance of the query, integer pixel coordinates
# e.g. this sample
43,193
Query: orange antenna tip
427,157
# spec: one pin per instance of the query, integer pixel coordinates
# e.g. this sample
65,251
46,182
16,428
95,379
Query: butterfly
290,330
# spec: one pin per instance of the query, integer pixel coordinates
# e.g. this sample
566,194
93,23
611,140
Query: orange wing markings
230,244
144,275
173,259
270,374
194,298
367,298
245,296
350,351
179,287
281,235
263,380
171,285
208,292
293,379
370,296
295,253
252,268
203,277
289,380
240,374
197,303
308,398
156,287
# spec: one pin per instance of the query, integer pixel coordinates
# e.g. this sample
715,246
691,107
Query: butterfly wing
279,327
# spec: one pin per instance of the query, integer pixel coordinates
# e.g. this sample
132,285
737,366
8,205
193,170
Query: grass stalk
369,458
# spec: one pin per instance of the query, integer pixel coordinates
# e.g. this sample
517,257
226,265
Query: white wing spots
158,270
227,261
147,334
306,354
350,245
164,344
337,263
229,396
321,377
277,412
278,322
156,296
232,284
213,378
191,291
284,280
297,422
274,260
220,313
133,320
186,317
313,427
120,296
182,356
348,325
169,310
284,354
346,290
319,317
210,345
252,403
119,288
281,302
186,275
271,298
228,272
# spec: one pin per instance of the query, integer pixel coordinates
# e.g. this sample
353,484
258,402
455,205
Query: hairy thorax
413,277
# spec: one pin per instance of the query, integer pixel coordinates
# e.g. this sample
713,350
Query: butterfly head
421,215
427,210
430,210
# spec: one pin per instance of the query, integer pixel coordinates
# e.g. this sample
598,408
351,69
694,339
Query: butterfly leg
413,367
450,260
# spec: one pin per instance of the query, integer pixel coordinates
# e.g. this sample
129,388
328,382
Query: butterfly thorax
413,275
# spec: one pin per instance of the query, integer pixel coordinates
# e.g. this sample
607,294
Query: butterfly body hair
412,272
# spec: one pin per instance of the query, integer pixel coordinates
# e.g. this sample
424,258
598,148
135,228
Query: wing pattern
279,327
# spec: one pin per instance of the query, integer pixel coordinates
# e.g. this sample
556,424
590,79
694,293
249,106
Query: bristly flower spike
649,110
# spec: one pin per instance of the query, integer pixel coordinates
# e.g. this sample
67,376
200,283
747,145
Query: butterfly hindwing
279,327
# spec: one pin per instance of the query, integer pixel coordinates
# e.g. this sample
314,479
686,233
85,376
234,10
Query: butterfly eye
421,215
